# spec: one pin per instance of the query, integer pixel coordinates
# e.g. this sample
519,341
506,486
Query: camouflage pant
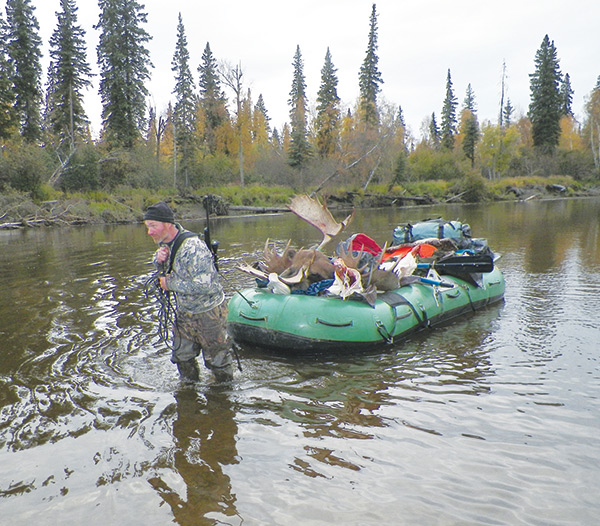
206,333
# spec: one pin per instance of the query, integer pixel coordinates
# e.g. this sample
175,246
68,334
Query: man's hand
162,254
163,282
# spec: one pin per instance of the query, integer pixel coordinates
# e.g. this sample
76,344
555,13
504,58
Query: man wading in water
188,270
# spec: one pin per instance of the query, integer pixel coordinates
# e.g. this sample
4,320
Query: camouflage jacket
193,278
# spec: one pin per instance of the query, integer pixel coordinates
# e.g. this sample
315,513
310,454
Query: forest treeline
216,132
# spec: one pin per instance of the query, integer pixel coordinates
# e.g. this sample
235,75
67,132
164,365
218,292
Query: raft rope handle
389,338
466,289
331,324
250,318
453,295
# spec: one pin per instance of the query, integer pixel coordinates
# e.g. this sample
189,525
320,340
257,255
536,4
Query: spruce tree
299,149
399,126
261,108
124,63
184,112
8,119
328,110
276,139
469,100
260,122
400,118
448,123
471,137
566,96
469,125
369,78
68,75
507,114
545,108
23,45
434,133
212,98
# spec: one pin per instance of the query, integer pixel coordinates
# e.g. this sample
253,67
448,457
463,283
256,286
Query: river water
493,419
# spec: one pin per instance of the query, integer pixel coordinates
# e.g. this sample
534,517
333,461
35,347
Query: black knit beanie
159,212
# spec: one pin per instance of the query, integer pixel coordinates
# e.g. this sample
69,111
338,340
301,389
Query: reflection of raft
297,322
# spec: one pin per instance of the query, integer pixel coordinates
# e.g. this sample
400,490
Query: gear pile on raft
363,294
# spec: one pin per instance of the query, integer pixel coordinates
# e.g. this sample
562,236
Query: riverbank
19,210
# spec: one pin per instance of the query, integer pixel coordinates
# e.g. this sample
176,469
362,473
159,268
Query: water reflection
336,399
204,431
470,423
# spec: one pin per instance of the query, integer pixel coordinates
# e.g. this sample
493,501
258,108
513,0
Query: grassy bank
126,204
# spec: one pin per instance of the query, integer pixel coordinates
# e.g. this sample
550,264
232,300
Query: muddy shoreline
23,212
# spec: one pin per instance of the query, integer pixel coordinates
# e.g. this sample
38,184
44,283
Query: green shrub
47,193
24,167
473,189
437,189
213,170
577,164
254,195
429,164
82,171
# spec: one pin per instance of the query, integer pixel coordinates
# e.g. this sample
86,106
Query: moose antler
350,259
380,278
274,262
308,263
319,216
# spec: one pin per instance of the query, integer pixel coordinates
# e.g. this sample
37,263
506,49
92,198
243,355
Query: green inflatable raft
296,322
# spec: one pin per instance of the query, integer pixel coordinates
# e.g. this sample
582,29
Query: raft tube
296,322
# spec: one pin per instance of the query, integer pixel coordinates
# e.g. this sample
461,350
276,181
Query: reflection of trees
544,233
357,401
205,432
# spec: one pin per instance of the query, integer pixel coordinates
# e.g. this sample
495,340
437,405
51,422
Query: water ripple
491,419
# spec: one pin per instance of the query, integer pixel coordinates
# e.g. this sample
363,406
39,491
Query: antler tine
287,248
342,253
373,267
266,250
326,239
349,259
358,258
382,253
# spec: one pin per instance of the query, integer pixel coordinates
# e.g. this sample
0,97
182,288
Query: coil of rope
167,307
167,311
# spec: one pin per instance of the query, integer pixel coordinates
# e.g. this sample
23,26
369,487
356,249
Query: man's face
160,232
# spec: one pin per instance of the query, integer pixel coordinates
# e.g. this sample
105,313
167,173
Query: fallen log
34,221
258,209
379,199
